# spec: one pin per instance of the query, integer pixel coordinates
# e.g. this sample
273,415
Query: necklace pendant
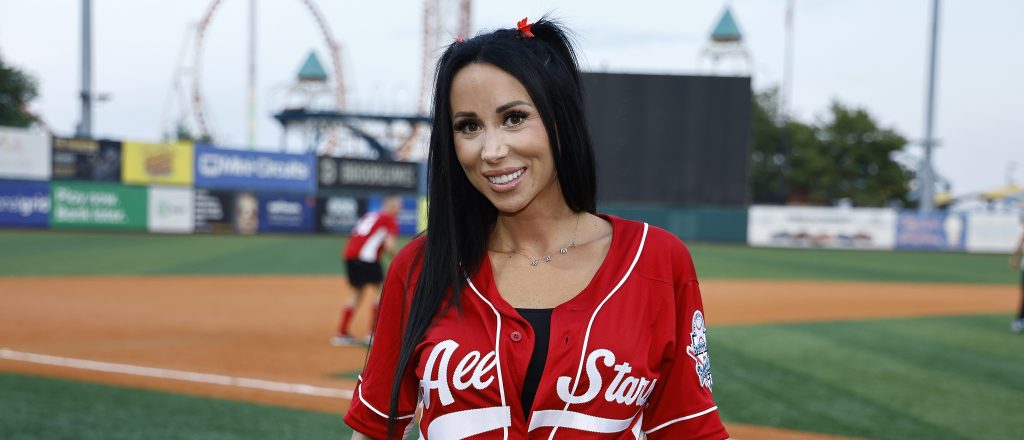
563,251
573,244
547,258
534,262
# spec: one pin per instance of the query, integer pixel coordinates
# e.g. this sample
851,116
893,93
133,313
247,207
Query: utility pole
84,129
927,180
252,74
784,101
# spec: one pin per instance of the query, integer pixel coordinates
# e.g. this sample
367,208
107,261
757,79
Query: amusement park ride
315,105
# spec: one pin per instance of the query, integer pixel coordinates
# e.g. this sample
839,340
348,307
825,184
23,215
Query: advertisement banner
250,170
98,205
813,227
144,163
171,210
24,204
24,154
421,222
360,174
408,218
930,232
86,159
214,211
338,214
993,232
280,213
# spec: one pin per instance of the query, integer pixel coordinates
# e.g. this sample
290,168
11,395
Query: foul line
187,376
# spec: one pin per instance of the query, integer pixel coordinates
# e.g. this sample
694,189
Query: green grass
730,261
55,409
947,377
46,253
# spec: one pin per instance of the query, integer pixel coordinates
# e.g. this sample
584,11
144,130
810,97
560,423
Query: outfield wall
68,183
883,229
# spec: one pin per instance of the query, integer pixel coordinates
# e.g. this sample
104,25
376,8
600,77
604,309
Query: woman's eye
467,127
514,119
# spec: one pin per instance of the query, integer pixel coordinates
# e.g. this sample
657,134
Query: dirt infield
276,329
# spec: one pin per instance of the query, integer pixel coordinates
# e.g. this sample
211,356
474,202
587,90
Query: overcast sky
867,53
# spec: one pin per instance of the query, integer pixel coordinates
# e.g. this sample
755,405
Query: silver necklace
546,258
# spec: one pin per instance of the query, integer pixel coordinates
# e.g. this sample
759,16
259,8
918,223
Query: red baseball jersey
628,354
366,241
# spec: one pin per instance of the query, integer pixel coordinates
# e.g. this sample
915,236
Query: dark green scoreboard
670,139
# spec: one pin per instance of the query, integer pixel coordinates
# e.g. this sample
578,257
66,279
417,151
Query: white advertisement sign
24,154
993,231
821,227
171,210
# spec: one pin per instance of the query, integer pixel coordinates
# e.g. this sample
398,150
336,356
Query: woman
521,313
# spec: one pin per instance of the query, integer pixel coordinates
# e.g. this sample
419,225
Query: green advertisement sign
98,205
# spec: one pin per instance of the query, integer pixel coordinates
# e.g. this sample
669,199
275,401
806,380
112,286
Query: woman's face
500,139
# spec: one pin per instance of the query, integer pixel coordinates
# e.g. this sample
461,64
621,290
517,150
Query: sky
871,54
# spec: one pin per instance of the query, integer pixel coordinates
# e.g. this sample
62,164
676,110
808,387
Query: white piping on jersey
636,431
470,422
359,392
369,251
586,338
580,421
691,416
497,357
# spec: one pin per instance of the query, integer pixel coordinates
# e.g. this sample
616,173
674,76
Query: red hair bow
524,28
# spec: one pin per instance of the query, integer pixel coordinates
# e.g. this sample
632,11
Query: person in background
1017,263
373,235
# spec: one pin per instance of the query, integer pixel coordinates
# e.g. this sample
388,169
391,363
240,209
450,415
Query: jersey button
516,336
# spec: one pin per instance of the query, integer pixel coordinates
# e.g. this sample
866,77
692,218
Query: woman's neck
536,232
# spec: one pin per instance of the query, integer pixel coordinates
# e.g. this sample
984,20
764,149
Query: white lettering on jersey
628,390
478,368
592,375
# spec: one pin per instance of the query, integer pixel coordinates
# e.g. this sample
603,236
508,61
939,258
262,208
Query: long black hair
460,217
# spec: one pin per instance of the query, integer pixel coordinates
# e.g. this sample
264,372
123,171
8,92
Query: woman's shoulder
664,253
656,239
411,252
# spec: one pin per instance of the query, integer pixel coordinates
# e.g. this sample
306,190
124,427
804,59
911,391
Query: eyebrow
500,109
509,105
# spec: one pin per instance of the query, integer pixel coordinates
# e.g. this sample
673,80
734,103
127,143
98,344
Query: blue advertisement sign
930,232
222,168
283,213
25,204
407,219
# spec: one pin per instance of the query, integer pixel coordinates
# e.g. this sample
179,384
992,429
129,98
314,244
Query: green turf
725,261
947,377
44,253
53,409
99,253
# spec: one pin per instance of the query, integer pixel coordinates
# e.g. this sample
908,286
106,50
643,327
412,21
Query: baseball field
125,336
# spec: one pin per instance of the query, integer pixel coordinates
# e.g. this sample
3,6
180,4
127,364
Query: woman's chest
604,358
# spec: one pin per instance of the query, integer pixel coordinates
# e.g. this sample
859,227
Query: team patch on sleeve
698,349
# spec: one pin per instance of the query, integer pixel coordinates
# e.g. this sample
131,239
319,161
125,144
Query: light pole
84,129
927,203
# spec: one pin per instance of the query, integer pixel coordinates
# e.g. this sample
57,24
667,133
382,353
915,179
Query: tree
17,89
844,155
855,161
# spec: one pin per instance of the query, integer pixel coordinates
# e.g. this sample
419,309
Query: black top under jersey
540,320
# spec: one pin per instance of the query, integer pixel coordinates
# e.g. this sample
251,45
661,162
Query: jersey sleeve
682,405
368,412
